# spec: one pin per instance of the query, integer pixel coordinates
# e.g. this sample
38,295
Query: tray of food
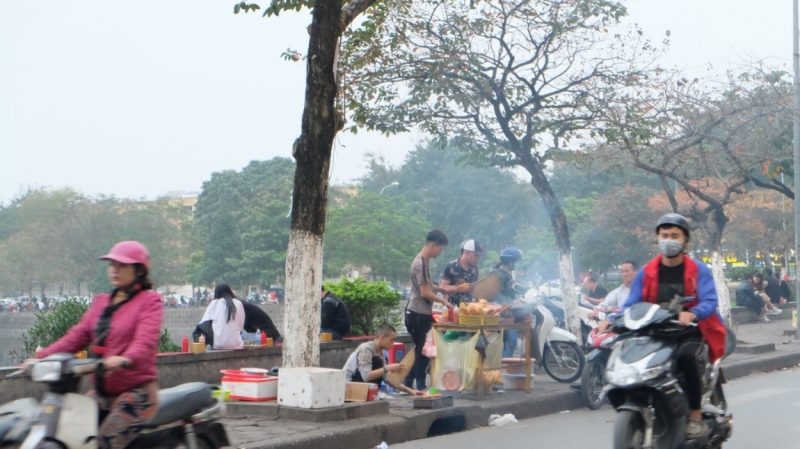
433,401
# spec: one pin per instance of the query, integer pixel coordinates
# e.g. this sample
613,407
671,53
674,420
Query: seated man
368,364
595,293
335,317
256,319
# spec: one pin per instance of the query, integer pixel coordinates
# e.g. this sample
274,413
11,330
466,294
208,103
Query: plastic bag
497,420
429,349
456,362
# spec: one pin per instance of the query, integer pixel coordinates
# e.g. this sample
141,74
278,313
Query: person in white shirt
617,297
227,317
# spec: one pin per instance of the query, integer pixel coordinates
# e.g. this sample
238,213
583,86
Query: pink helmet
129,252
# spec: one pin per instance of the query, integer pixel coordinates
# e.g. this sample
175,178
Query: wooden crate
433,404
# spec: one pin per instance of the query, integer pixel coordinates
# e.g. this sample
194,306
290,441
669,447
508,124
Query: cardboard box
358,392
311,388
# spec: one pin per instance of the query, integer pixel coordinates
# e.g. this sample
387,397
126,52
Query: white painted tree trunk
722,288
569,296
302,313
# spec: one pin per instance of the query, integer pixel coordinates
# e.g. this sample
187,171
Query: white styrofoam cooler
311,387
247,389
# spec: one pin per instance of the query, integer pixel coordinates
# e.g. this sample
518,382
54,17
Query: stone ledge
350,410
755,349
790,332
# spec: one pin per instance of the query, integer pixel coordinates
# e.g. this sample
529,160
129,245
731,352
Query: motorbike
555,304
644,383
555,349
187,416
593,379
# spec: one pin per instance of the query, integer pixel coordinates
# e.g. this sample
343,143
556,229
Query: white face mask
670,248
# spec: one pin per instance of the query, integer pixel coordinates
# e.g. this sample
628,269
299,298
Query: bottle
202,340
38,350
446,315
185,344
262,338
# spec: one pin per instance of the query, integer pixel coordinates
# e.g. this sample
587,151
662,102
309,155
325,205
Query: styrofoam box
247,389
311,387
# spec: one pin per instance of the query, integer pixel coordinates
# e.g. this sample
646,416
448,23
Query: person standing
463,270
508,295
335,316
419,309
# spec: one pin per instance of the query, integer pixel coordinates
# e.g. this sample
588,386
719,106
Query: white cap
472,245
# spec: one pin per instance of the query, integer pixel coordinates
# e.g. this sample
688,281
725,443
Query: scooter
555,304
186,417
593,379
555,349
644,386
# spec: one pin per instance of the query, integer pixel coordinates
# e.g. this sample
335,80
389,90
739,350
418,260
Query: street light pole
390,185
796,121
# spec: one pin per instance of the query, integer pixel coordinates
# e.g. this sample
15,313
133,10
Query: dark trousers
377,363
689,360
418,325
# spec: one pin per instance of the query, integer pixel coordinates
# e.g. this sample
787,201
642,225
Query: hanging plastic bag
455,364
429,349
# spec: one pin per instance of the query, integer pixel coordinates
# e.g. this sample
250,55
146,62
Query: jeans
418,325
509,343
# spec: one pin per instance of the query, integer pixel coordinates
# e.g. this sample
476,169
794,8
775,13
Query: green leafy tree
509,82
376,231
370,304
52,325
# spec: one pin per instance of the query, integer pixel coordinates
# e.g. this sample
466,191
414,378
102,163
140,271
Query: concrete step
350,410
790,332
755,349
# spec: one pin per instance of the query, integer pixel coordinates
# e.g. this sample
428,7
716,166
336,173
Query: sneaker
764,319
695,429
775,311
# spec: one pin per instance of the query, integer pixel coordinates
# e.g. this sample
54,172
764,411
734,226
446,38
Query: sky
137,99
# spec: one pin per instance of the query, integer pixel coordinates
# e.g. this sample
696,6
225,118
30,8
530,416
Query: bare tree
512,82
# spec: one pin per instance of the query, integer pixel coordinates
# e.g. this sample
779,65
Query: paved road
766,408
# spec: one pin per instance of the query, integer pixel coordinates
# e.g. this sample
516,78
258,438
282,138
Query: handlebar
678,322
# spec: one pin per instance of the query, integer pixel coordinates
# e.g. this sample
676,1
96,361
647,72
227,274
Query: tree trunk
312,151
565,267
716,225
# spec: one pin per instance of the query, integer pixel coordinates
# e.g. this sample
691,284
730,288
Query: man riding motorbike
674,273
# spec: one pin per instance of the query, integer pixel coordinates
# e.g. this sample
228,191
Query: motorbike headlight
623,375
46,372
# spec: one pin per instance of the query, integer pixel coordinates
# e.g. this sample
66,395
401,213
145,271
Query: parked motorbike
593,379
186,417
555,349
643,384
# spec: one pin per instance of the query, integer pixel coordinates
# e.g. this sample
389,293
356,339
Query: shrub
370,304
165,343
736,273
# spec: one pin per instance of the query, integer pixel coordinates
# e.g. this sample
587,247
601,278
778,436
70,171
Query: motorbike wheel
593,382
572,361
201,444
628,430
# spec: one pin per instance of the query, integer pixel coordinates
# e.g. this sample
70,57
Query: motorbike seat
181,402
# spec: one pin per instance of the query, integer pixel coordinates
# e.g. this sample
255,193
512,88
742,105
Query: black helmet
673,220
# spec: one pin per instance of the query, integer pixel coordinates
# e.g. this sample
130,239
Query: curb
403,426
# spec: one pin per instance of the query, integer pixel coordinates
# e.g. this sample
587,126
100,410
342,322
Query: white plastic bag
383,445
497,420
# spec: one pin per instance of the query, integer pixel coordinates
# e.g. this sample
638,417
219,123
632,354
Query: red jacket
134,334
698,282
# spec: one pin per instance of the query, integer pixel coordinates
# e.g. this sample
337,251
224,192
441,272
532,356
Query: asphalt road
766,411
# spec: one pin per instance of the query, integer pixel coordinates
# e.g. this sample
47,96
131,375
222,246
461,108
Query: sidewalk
548,397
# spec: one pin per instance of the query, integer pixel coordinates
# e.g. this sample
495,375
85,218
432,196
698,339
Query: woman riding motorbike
122,328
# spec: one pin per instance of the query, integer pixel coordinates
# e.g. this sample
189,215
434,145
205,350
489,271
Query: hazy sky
141,98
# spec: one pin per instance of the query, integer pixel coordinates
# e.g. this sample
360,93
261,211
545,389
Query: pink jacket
134,334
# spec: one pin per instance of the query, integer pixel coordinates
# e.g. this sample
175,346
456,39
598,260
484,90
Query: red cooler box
250,388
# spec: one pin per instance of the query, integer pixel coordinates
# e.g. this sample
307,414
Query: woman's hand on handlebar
117,363
686,318
602,328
